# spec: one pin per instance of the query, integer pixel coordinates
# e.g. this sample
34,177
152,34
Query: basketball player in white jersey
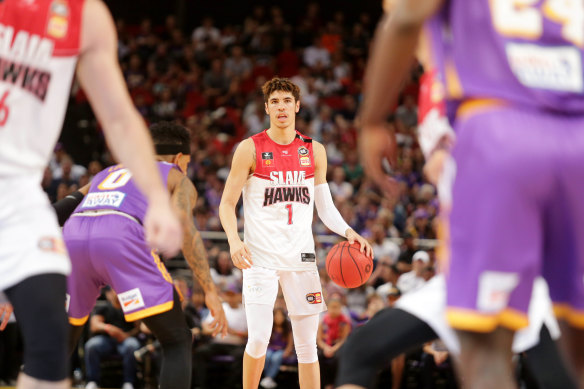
42,44
282,174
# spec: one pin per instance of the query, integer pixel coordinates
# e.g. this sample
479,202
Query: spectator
224,273
316,55
436,356
280,347
206,33
233,345
415,278
112,334
238,65
340,189
375,303
68,169
332,333
382,247
407,252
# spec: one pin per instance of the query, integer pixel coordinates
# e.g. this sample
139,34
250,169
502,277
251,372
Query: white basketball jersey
278,204
39,45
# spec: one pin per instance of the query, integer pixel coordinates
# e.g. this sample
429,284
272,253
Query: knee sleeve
304,330
39,304
259,328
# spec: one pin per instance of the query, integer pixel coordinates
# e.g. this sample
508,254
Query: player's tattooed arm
185,198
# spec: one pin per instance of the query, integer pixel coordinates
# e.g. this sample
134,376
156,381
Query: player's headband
184,148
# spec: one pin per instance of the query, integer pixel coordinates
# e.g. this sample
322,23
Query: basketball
347,266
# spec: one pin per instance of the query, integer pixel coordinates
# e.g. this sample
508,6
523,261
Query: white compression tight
304,330
259,323
260,318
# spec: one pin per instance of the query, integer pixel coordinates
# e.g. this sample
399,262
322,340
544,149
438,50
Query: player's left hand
219,323
365,246
6,310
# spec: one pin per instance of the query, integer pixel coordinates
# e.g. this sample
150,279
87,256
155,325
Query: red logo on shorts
314,298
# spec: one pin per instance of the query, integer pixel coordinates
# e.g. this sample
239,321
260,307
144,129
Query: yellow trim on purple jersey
78,322
574,317
161,267
454,89
155,310
475,106
471,320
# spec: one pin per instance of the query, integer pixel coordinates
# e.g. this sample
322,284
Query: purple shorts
111,250
517,212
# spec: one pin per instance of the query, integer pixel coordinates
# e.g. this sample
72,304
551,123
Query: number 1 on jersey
289,208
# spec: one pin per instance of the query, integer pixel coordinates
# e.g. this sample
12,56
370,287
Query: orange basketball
347,266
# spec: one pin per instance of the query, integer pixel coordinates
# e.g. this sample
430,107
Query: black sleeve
65,207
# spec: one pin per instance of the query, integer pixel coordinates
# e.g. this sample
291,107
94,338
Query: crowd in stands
210,80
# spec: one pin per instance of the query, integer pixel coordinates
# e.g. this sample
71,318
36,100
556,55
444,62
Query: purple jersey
528,52
113,188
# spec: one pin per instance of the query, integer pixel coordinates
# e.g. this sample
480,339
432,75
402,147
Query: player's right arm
241,166
390,60
100,76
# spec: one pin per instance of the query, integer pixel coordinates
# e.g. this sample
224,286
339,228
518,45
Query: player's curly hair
280,84
168,133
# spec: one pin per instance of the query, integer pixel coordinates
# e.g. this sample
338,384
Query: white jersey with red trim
278,204
39,46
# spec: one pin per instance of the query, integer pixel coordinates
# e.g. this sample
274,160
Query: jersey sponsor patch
131,300
494,290
304,161
552,68
314,298
308,257
101,199
58,23
268,159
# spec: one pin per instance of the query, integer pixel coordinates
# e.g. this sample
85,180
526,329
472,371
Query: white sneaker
91,385
127,385
268,383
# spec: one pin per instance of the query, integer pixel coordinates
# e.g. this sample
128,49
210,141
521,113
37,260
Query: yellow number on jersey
115,179
523,19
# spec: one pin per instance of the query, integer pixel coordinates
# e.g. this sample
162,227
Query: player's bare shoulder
245,155
97,26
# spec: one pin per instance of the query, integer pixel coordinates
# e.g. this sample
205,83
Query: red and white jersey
39,46
278,204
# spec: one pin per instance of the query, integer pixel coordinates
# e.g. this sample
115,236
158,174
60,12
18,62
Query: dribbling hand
6,310
162,228
365,246
241,256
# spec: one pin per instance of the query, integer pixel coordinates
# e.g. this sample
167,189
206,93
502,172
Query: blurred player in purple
107,246
513,71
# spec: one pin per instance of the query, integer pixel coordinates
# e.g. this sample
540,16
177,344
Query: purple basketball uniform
516,75
106,243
